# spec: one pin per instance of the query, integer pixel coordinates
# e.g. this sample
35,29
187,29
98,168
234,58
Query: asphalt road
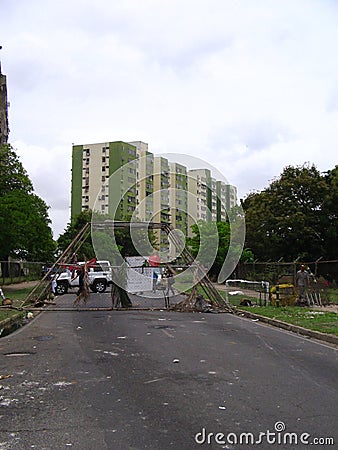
162,380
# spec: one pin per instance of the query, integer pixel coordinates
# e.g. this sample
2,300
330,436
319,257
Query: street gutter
330,338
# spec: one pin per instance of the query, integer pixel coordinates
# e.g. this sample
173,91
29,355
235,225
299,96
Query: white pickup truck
99,277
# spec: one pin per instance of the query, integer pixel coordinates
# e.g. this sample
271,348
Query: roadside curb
11,320
330,338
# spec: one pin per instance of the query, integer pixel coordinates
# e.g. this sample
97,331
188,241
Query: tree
13,177
110,243
24,221
86,251
286,219
210,245
330,215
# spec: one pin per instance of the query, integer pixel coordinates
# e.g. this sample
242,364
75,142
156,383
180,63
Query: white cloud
249,86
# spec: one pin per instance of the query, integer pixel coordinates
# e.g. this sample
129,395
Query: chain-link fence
323,276
17,271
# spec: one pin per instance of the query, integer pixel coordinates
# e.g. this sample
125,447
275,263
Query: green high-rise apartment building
149,187
92,185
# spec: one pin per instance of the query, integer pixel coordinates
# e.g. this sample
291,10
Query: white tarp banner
139,279
135,261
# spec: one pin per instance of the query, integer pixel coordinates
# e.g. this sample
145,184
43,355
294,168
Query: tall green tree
71,231
24,220
216,236
111,242
13,175
287,218
330,215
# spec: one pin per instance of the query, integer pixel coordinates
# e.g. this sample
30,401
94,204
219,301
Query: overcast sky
248,85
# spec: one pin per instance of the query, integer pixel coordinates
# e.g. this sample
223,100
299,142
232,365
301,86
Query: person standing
82,291
170,283
302,283
155,280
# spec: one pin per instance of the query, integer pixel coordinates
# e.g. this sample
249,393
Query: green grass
311,319
236,299
323,321
17,296
332,295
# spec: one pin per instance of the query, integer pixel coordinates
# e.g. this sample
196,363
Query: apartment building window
86,151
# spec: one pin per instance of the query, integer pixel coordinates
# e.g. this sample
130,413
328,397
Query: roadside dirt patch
18,286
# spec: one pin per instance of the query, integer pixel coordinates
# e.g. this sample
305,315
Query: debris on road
3,377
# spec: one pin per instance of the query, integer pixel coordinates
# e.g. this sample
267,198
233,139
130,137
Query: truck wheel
61,288
99,286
